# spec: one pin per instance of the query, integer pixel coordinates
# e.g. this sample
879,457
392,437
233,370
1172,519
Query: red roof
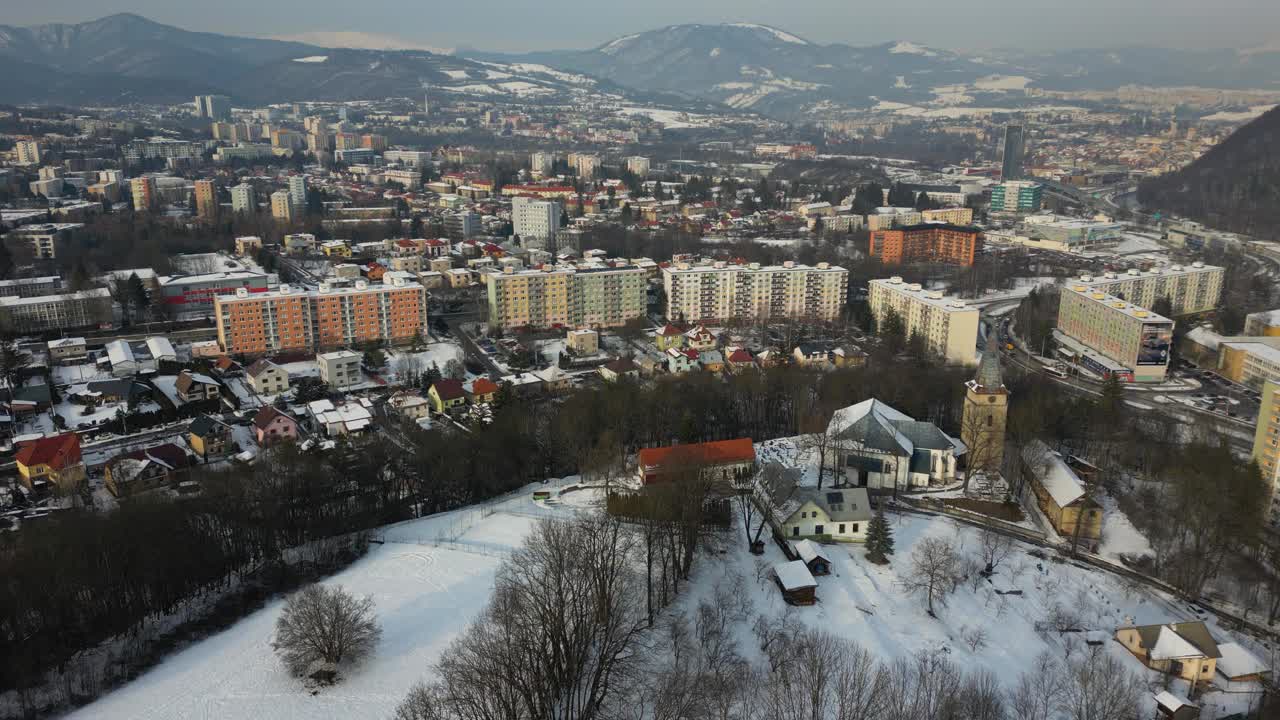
264,417
723,452
740,356
58,452
483,386
670,330
449,389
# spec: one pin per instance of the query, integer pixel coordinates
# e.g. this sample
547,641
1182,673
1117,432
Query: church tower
986,405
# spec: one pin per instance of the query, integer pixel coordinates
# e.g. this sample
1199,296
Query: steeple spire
988,378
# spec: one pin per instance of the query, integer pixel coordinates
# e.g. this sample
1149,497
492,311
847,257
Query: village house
225,367
68,351
620,368
409,405
739,358
195,387
669,336
839,514
267,378
582,342
1060,493
700,338
353,417
725,459
481,390
554,380
208,436
875,446
711,360
138,471
271,426
681,360
446,394
1185,650
52,460
796,583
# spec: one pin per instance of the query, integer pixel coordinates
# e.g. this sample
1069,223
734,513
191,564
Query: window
841,526
795,531
855,528
817,529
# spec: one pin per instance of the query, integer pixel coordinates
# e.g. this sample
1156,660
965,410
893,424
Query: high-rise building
1011,152
1017,196
315,125
206,198
374,142
214,107
346,141
541,163
298,194
583,296
930,242
1266,440
143,192
720,291
68,311
287,139
461,225
28,152
330,317
638,165
1190,289
948,325
244,199
1133,340
281,207
533,220
585,165
986,407
1249,360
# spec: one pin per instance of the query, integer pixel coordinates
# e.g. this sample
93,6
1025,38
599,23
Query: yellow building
948,325
1266,438
51,463
563,297
951,216
1061,494
206,198
1262,324
336,248
1185,650
717,291
1190,289
1249,360
1131,336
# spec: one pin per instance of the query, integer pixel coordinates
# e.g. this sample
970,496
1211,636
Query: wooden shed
796,583
814,560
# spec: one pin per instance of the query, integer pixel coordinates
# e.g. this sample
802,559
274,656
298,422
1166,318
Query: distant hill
124,58
1235,186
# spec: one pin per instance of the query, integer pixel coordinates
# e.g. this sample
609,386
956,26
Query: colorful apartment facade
719,291
584,296
930,242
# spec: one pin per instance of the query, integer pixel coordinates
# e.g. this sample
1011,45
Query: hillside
1235,186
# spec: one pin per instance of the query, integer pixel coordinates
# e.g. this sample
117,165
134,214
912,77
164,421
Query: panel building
948,325
932,242
87,308
296,319
1190,289
206,192
1017,196
719,291
1131,336
554,297
244,199
1266,439
535,221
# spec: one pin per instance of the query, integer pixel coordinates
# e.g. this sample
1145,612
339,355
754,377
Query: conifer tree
879,539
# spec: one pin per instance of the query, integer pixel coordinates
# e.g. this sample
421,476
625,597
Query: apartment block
206,198
572,296
143,192
281,206
1135,338
28,152
719,291
1249,361
1017,196
340,369
948,325
244,199
330,317
1190,289
951,215
534,219
928,243
87,308
1266,439
1260,324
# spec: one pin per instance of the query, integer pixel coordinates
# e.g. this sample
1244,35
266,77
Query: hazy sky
548,24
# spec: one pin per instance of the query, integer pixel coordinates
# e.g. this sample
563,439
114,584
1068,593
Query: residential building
51,463
139,471
828,514
267,378
1011,152
1069,234
446,393
582,342
1249,361
1061,494
300,243
638,166
929,243
196,387
481,390
330,317
271,426
298,195
986,408
1017,196
951,216
248,245
948,325
87,308
340,369
1262,324
161,148
244,199
1266,439
462,225
1132,336
243,151
42,238
1186,650
68,351
535,221
564,297
200,290
541,163
886,218
281,206
1190,289
876,446
352,417
208,437
286,139
584,164
410,405
796,583
407,179
623,367
30,287
727,460
213,107
28,152
720,291
206,198
142,190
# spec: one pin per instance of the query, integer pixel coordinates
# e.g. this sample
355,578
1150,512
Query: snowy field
429,579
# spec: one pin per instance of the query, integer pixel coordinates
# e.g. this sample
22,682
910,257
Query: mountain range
743,66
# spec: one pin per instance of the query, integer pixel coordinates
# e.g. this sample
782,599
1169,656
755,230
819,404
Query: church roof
988,377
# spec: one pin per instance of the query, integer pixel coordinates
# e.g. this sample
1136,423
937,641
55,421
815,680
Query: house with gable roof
1060,493
876,446
1185,650
839,514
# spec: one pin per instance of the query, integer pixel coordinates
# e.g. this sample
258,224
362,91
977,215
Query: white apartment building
298,194
1191,289
28,152
243,199
948,325
570,296
541,163
638,165
719,291
532,218
340,369
407,179
585,165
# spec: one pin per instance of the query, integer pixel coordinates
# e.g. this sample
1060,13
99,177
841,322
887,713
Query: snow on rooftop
1058,479
1238,662
1170,701
1172,646
794,575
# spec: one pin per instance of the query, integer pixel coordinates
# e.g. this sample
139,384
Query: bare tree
1040,690
995,547
934,563
768,488
323,627
422,703
1100,687
981,698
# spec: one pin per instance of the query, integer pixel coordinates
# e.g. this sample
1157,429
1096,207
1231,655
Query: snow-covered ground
429,579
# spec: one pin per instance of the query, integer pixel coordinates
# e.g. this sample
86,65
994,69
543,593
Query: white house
875,446
349,418
839,514
123,362
340,369
161,349
267,378
411,406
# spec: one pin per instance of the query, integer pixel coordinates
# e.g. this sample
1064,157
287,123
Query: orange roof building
54,460
930,242
724,457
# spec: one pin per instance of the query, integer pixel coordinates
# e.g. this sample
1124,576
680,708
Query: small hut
813,558
796,582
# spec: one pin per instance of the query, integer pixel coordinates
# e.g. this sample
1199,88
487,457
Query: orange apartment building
301,320
930,242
